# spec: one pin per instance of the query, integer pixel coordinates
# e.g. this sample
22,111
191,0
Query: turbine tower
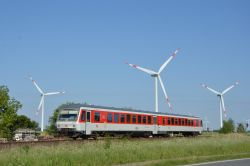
41,104
156,76
220,95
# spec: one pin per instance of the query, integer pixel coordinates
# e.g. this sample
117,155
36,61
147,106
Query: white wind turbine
157,77
206,123
41,105
220,95
248,123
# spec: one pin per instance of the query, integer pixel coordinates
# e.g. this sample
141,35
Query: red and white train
78,120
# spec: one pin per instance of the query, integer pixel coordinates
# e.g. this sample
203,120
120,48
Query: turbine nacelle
154,75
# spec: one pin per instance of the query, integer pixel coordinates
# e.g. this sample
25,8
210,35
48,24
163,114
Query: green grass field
172,151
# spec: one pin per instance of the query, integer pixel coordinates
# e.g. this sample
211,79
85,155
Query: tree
228,126
8,113
23,121
241,128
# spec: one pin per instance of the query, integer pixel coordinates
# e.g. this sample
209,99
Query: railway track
55,142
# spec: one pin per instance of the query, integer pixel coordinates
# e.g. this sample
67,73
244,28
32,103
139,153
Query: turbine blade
168,60
38,88
223,106
212,90
53,93
229,88
165,93
142,69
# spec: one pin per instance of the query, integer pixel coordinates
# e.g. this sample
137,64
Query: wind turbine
157,77
41,104
206,123
220,95
248,123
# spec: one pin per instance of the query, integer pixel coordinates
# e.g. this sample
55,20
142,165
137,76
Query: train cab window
144,120
201,124
169,121
139,118
83,116
163,120
128,118
149,120
122,118
134,119
116,117
97,116
110,117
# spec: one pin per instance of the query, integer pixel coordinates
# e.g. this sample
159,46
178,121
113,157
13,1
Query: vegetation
228,127
149,151
8,113
9,120
241,128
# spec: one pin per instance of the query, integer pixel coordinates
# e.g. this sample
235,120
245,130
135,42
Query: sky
81,47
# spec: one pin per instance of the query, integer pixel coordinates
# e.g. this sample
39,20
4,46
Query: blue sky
81,47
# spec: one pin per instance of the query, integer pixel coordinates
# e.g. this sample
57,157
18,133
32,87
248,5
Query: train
84,121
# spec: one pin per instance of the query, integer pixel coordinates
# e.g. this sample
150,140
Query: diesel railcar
78,120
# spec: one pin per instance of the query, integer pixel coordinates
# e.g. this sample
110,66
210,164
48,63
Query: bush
228,127
241,128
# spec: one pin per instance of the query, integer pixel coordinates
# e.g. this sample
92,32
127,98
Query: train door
155,125
88,123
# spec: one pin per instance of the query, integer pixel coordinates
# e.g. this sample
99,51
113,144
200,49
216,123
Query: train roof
78,106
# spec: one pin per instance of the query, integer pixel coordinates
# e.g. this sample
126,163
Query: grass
146,152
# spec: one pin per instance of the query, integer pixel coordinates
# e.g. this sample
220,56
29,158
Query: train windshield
67,115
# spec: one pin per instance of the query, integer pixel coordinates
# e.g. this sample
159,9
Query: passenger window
149,120
172,121
83,116
97,116
128,118
169,121
201,123
179,121
116,117
110,118
134,119
182,122
176,121
144,119
163,120
122,118
139,118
